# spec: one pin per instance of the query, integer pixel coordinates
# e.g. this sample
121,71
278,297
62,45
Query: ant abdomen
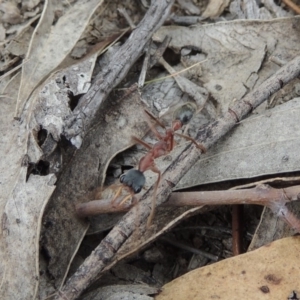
134,179
185,113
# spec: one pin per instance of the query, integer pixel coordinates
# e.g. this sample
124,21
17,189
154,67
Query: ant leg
199,146
151,116
125,199
148,117
117,194
151,216
139,141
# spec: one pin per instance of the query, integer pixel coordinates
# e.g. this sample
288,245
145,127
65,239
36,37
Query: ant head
134,179
184,113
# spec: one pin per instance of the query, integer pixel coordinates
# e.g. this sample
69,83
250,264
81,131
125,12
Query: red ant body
134,179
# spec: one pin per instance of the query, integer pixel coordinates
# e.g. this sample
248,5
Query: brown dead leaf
270,272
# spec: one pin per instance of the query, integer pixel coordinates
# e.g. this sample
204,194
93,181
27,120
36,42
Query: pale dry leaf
19,45
133,290
264,144
9,167
50,44
10,13
52,105
189,7
21,206
275,9
194,91
21,222
30,4
271,227
242,9
233,61
2,33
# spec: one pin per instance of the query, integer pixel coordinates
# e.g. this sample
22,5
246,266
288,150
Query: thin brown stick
237,229
103,255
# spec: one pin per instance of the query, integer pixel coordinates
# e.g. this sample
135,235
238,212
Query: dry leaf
2,33
261,145
189,7
22,201
11,13
117,122
50,44
232,61
271,227
270,272
215,8
21,222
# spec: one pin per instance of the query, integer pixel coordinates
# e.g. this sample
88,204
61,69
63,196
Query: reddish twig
264,195
237,229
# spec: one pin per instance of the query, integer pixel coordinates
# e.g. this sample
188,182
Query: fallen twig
105,252
237,231
262,194
292,5
121,62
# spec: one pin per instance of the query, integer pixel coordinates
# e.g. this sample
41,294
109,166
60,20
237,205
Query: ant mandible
134,180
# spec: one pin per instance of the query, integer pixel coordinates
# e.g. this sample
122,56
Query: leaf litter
237,58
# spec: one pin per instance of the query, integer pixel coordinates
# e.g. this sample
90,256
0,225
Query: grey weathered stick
105,252
121,62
